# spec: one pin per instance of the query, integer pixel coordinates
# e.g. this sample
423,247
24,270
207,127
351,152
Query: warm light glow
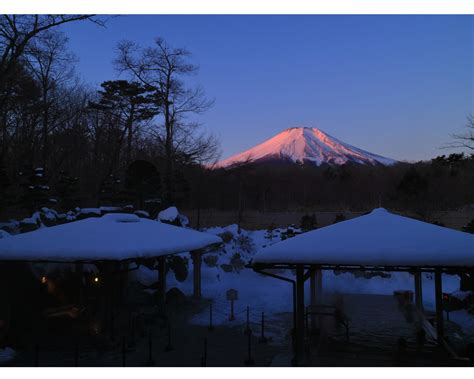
96,279
44,279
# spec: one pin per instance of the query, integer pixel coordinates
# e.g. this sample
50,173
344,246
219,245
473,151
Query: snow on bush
169,214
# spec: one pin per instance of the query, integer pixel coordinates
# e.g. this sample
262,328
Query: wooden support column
79,268
197,263
313,297
439,305
300,319
312,287
418,291
162,279
319,286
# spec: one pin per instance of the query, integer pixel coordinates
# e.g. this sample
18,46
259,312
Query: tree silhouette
142,181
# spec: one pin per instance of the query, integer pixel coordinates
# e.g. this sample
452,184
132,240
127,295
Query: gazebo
112,238
379,241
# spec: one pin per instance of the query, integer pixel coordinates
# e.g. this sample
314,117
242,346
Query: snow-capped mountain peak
305,145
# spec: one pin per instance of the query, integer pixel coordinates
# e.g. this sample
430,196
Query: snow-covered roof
110,237
379,238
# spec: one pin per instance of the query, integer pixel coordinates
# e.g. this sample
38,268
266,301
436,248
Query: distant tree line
445,182
65,144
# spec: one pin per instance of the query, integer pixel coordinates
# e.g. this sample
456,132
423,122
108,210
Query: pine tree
68,191
35,191
142,183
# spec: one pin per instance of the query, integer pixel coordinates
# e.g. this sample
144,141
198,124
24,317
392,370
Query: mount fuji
305,145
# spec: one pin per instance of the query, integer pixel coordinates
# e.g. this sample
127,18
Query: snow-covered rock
95,211
169,214
4,234
142,213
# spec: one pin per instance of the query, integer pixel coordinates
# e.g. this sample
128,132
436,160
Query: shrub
270,230
308,222
179,267
469,228
244,243
339,217
210,260
226,267
226,236
237,262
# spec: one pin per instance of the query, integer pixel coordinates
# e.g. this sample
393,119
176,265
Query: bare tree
163,68
51,65
17,31
465,140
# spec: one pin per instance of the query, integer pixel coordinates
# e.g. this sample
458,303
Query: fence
140,344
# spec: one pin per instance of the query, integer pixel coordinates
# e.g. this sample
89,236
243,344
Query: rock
28,225
128,208
141,213
11,227
4,234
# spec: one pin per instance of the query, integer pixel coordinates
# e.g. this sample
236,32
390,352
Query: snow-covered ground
272,296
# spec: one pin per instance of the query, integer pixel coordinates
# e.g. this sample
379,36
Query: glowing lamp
44,279
96,279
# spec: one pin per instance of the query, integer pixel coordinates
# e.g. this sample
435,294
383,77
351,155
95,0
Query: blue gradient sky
393,85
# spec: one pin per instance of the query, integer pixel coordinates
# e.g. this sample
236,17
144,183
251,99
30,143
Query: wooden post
319,286
197,263
439,305
312,283
162,279
313,298
418,291
299,313
80,290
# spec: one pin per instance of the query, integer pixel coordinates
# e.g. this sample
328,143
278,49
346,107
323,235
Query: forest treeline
446,182
135,140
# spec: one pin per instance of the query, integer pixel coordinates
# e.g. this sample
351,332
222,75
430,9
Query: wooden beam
300,313
439,305
197,264
313,298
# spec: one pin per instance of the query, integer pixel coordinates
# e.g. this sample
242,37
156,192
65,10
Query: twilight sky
393,85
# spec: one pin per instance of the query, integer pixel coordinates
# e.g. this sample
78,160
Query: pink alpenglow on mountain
305,145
